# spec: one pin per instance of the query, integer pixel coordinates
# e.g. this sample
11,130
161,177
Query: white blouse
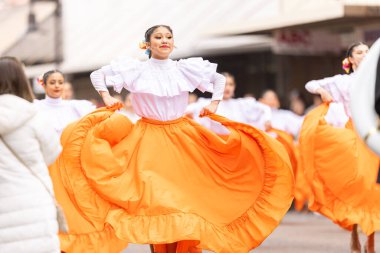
244,110
287,121
338,86
59,113
160,87
130,115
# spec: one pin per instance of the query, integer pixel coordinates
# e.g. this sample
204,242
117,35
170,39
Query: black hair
349,52
151,30
49,73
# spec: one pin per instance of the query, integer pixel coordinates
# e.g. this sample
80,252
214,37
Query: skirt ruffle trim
99,241
244,233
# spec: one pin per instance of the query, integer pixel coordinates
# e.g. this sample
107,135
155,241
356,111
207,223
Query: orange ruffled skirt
341,172
302,189
161,182
288,142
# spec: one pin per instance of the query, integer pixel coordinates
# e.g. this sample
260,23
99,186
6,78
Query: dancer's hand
210,109
108,100
189,115
268,125
325,95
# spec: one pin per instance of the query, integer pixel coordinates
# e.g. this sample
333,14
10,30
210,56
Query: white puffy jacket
27,211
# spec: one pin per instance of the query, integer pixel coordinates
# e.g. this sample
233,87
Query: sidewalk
298,233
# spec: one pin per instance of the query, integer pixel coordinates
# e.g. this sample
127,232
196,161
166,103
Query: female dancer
60,112
167,179
342,171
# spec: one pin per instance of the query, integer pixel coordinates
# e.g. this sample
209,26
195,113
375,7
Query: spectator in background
27,145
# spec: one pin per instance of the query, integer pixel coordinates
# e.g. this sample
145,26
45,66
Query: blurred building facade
277,44
309,41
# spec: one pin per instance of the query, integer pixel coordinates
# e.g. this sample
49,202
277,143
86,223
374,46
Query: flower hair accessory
143,45
40,80
346,65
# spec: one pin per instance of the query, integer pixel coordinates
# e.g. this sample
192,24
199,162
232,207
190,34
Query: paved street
308,233
298,233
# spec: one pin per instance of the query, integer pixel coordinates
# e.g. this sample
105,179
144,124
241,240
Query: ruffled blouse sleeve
202,75
338,86
121,73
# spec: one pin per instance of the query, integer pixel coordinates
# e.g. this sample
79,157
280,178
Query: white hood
14,112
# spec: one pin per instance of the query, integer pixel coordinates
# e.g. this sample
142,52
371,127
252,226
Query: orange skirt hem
244,233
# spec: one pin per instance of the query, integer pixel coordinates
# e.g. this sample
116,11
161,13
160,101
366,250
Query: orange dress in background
341,172
159,182
287,140
302,189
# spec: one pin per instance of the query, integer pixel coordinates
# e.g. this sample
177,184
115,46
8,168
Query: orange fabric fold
161,182
302,189
287,140
341,172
